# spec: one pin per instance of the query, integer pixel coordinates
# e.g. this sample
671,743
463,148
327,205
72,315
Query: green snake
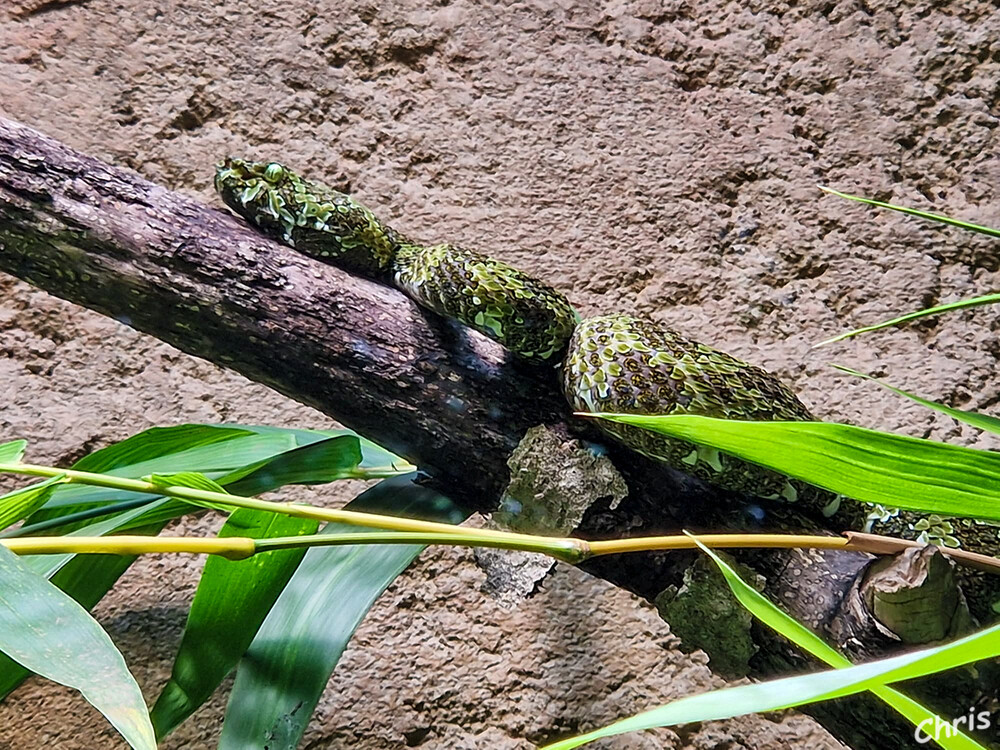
609,364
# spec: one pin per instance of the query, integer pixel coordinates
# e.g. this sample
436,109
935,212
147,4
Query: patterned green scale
622,364
520,312
614,363
305,215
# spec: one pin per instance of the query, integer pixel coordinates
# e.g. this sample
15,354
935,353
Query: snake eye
274,172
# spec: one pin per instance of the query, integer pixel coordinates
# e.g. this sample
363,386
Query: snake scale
611,363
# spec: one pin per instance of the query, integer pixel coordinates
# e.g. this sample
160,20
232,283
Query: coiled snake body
612,363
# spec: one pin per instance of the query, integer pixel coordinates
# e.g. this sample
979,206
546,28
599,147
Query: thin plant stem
410,531
569,550
236,548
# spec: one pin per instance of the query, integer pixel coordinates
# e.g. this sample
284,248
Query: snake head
259,192
312,218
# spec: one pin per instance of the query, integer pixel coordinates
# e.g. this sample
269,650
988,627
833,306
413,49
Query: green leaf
20,503
204,449
974,418
870,466
214,460
373,455
325,460
158,443
191,480
215,451
779,621
231,602
86,578
810,688
288,665
46,631
12,452
988,299
194,480
272,470
914,212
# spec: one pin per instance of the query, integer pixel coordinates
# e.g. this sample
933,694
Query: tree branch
446,399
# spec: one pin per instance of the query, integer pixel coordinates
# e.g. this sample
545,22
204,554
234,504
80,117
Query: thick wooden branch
450,401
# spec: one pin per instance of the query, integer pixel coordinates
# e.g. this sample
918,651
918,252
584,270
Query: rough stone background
653,155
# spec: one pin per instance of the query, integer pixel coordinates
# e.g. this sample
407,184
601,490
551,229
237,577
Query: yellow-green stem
236,548
568,550
409,531
652,543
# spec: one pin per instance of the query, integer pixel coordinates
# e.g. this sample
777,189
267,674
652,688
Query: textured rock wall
659,157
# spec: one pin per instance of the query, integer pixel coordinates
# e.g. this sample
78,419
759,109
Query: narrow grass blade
23,502
989,299
940,218
288,665
765,611
47,632
12,452
870,466
980,421
231,602
796,691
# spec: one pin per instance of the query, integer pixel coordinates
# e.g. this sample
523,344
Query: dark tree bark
449,401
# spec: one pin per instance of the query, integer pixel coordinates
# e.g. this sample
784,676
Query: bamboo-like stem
412,531
566,549
236,548
655,543
561,548
232,547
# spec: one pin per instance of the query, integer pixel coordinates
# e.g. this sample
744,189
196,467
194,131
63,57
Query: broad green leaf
47,632
12,452
20,503
940,218
295,466
157,443
86,578
373,455
974,418
194,480
809,688
325,460
231,602
217,451
214,460
246,449
765,611
989,299
280,680
870,466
